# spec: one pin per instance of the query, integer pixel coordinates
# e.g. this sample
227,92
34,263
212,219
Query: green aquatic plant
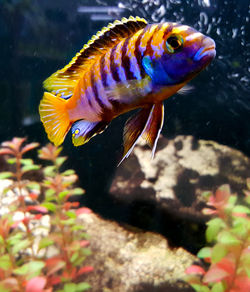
228,256
42,246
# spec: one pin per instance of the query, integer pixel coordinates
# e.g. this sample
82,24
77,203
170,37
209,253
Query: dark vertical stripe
138,54
132,26
126,60
113,66
95,91
121,30
149,51
88,95
168,30
91,96
102,70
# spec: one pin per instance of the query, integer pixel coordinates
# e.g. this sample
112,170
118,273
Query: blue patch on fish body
156,71
147,65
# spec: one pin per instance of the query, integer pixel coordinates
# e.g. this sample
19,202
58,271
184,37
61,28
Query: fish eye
174,43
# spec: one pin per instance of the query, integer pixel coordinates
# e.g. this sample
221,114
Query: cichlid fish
127,65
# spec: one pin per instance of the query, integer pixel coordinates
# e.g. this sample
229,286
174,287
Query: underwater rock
126,259
182,169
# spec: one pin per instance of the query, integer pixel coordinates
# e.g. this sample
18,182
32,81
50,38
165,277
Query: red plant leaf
10,283
54,280
18,141
49,152
75,204
66,275
29,147
221,197
207,260
26,220
69,205
4,151
215,274
246,250
247,193
54,264
40,209
38,216
227,265
36,284
84,243
73,273
242,284
52,261
242,215
85,270
14,144
208,211
194,269
83,210
5,227
33,196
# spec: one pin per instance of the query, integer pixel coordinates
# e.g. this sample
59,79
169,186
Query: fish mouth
207,50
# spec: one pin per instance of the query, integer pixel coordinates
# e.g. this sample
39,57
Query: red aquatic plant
26,261
229,254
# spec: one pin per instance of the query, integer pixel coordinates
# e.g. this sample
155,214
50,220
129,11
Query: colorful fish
127,65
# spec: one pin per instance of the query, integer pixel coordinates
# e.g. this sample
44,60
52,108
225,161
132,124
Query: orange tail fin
55,117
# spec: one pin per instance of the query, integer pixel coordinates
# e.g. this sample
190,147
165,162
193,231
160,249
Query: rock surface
127,260
182,169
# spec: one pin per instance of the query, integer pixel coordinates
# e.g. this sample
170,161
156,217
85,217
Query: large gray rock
182,169
127,260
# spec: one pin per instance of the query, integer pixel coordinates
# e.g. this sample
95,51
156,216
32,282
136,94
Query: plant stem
19,179
238,259
13,265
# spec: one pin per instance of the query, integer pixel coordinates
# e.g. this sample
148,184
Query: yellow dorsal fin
63,81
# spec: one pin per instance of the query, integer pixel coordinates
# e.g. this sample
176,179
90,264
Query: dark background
39,37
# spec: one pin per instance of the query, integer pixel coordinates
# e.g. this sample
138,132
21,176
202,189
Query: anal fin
146,123
133,129
154,125
83,131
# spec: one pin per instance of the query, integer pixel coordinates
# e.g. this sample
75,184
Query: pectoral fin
83,131
154,125
146,123
186,89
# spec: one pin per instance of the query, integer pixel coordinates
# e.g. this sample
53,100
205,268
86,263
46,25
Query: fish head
184,52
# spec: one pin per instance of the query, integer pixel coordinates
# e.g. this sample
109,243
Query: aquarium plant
228,254
42,246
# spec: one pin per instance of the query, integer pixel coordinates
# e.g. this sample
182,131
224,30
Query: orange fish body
127,65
